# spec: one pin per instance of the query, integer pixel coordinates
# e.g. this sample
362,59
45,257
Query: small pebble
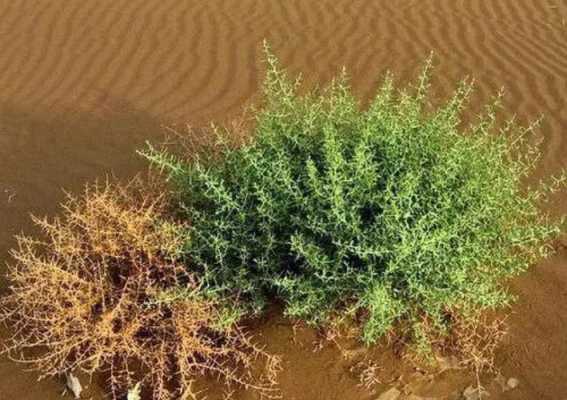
513,383
73,384
134,393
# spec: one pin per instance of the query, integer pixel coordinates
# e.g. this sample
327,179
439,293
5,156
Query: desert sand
84,83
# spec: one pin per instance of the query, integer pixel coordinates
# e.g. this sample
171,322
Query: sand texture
85,83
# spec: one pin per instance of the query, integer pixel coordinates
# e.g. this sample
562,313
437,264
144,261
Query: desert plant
101,293
392,212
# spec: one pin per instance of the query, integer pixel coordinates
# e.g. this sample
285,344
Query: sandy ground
84,83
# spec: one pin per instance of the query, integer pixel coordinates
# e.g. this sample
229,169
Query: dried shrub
104,291
476,339
468,341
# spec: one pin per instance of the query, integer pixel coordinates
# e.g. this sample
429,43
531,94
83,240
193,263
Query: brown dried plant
368,373
475,340
470,342
104,291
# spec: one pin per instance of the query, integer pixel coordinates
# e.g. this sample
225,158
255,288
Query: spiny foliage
100,292
388,213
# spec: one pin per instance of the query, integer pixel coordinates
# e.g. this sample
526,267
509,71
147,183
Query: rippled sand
84,83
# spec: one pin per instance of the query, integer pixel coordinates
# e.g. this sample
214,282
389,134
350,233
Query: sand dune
191,60
83,83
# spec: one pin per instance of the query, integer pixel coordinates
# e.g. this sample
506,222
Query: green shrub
387,213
